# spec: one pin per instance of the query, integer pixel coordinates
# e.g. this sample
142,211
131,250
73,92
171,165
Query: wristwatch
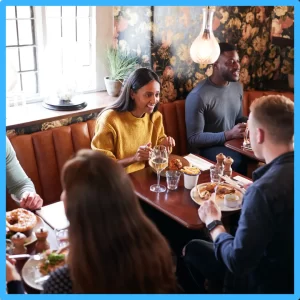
213,225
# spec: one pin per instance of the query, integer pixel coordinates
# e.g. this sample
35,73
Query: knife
233,183
44,278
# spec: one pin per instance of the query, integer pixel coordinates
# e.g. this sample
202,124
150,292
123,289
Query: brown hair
114,247
276,114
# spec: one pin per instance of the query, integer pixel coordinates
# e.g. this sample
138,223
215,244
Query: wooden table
236,145
176,204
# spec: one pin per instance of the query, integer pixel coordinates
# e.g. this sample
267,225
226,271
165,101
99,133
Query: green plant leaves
120,63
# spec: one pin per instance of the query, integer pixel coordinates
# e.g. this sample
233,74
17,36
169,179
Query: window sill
35,113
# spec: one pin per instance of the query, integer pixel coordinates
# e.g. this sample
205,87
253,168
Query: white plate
32,238
30,273
220,201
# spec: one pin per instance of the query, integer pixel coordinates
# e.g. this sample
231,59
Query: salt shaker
18,240
42,244
228,161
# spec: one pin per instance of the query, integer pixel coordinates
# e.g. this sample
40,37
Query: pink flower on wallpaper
122,24
216,23
168,72
288,22
276,28
261,16
245,60
246,31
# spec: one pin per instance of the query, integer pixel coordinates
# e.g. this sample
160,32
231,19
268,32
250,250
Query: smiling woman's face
146,98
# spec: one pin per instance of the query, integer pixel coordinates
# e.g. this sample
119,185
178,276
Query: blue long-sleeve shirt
263,247
211,110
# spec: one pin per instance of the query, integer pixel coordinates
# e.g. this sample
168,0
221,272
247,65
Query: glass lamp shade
205,48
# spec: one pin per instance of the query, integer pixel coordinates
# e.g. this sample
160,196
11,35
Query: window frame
40,39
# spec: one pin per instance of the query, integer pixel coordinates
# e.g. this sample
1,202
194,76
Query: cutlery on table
25,256
42,279
234,182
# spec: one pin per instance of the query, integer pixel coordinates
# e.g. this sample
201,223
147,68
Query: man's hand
31,201
143,153
236,132
209,211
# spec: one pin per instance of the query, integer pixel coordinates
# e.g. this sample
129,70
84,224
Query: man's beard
229,77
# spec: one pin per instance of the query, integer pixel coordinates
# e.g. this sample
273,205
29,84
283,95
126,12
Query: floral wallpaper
161,37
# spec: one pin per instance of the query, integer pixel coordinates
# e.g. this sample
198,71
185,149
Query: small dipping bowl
231,200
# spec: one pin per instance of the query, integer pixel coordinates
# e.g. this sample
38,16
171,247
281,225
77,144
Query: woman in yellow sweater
128,129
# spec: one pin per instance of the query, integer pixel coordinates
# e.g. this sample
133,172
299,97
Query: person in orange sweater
128,129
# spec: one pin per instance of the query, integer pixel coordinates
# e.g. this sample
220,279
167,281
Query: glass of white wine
158,161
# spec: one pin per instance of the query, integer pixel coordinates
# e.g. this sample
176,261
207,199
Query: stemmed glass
246,142
158,161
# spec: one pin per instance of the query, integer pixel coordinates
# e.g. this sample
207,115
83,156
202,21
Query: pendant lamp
205,48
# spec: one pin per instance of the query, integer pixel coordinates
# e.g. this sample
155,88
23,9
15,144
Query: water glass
62,238
173,177
215,172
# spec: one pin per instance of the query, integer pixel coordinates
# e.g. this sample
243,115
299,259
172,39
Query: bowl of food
175,163
20,220
231,200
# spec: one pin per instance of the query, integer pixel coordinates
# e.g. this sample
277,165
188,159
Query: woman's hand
143,153
11,271
169,142
31,200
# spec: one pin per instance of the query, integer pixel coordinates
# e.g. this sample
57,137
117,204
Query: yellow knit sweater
119,134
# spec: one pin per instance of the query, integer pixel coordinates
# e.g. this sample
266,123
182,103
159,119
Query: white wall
104,37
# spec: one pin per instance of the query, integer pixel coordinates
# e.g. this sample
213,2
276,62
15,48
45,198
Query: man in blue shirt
260,257
213,110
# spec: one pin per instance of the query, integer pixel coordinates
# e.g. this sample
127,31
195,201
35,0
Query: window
50,46
21,47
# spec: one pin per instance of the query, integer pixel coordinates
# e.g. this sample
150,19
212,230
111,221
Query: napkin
198,162
54,215
243,180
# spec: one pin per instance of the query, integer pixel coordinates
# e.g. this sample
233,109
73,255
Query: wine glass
246,142
158,161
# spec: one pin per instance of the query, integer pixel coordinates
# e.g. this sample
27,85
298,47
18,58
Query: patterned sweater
59,282
119,135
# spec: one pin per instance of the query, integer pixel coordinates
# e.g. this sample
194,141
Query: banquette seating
43,154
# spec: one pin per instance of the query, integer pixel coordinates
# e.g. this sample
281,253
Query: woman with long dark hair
114,247
128,129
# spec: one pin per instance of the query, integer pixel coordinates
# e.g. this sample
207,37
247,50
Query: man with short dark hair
261,254
213,110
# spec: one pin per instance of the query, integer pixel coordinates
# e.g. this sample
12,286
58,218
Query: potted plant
120,65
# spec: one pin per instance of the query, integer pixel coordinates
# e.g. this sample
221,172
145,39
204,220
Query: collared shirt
263,248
